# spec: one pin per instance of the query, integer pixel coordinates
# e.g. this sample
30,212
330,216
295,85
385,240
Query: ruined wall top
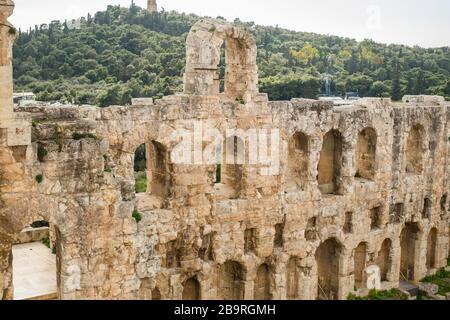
203,53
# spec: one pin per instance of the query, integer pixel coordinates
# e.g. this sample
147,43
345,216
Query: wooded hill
122,53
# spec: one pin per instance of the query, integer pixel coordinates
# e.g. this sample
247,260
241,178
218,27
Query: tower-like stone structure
152,6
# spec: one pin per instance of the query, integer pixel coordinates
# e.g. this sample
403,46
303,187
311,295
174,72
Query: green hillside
122,53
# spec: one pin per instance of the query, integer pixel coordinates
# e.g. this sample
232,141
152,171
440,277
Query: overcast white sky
412,22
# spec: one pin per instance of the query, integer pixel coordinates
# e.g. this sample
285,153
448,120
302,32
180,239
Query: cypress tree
396,89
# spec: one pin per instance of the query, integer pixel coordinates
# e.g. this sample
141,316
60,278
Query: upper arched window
203,54
151,169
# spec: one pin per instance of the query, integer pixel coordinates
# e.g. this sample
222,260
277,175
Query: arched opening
298,159
231,281
431,249
37,262
327,258
293,277
151,169
250,240
230,168
262,283
376,218
348,223
241,76
427,207
360,256
191,289
140,169
278,240
415,150
385,260
330,163
366,149
408,240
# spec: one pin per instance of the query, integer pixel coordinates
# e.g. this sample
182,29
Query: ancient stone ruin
314,201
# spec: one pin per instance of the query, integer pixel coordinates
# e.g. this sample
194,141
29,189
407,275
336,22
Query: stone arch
366,149
359,260
330,163
203,47
231,281
431,249
408,238
298,161
328,256
229,171
415,150
153,159
191,289
292,278
262,287
385,259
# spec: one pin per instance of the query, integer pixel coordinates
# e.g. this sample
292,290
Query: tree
447,88
111,96
352,64
291,86
419,87
360,83
410,85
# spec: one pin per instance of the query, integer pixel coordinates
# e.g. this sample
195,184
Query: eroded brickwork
351,192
